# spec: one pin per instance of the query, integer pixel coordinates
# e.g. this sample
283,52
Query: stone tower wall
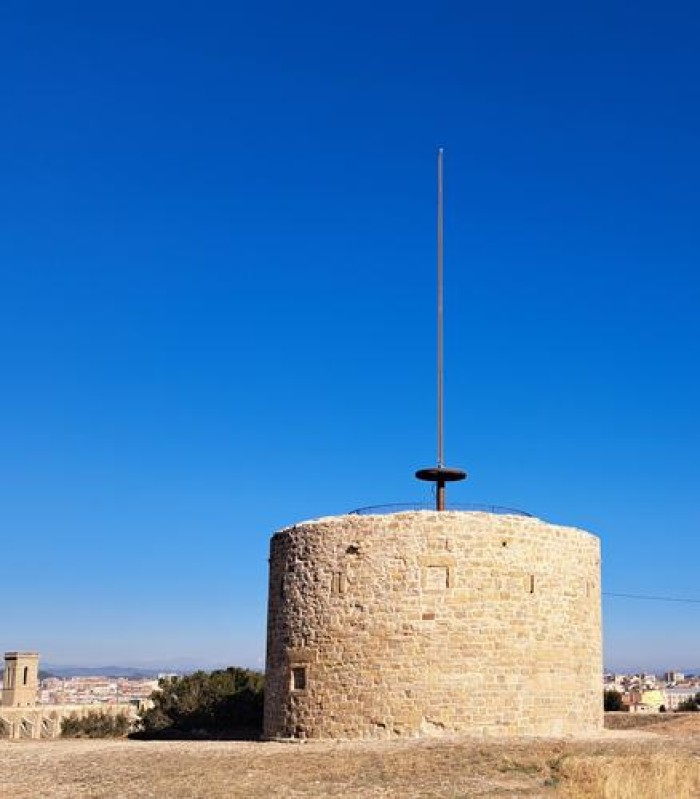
424,623
20,679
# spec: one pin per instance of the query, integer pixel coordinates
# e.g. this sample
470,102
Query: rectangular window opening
299,678
338,583
532,583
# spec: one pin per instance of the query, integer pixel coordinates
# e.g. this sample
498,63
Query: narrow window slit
299,678
338,583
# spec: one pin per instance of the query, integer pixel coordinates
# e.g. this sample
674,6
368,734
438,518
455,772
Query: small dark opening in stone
353,550
299,678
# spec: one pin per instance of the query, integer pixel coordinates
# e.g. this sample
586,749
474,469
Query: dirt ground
660,762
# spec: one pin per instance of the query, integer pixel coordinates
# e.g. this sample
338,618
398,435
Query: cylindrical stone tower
424,623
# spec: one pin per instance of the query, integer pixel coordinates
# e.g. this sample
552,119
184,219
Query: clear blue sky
216,299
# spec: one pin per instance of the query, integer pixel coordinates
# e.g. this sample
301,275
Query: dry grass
619,765
674,724
639,775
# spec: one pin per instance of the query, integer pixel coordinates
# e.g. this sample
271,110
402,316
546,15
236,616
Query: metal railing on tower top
473,507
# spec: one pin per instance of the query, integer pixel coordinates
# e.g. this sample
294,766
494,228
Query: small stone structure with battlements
427,623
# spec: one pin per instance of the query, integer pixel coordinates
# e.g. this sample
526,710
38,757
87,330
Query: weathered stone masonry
422,623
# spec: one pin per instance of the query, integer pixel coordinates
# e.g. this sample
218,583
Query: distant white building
674,676
648,681
674,696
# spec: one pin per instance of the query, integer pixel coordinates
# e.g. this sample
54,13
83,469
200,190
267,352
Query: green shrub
689,705
227,703
95,724
612,700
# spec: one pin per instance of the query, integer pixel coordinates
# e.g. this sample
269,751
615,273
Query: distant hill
181,665
100,671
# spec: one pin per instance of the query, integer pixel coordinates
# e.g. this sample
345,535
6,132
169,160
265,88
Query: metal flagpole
442,474
440,357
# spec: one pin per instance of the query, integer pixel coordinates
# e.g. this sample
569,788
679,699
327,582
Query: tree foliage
690,705
96,724
612,700
225,703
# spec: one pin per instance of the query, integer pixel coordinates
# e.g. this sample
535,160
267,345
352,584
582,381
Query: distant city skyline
217,301
185,665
